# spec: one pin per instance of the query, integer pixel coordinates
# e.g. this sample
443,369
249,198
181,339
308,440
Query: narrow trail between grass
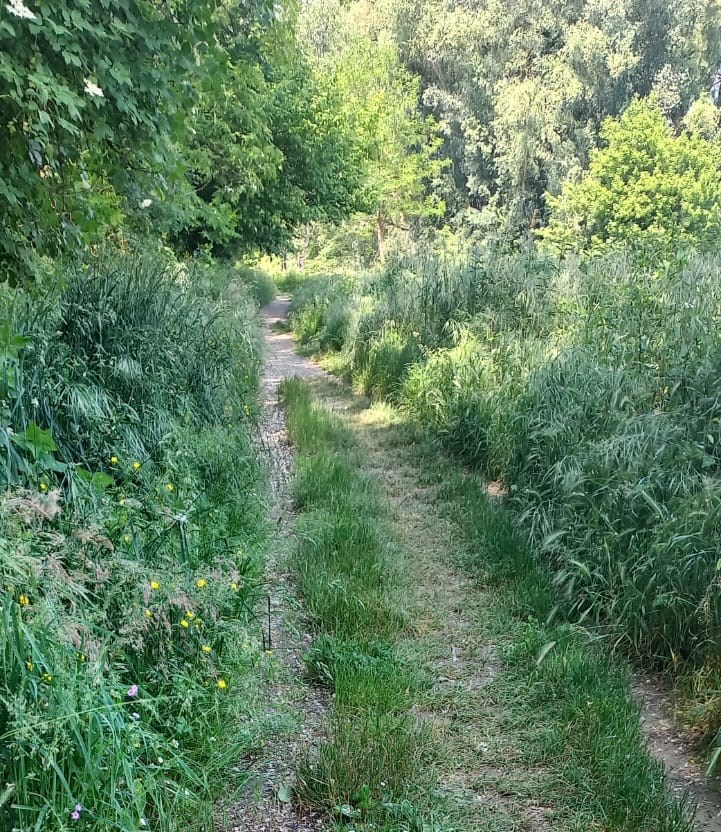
484,771
295,709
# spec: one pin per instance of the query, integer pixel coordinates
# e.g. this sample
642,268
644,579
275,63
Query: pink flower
133,691
78,807
75,815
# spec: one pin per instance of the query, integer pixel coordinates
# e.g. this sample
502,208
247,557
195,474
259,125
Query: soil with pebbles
259,809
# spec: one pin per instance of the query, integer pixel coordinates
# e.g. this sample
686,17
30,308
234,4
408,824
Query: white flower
19,9
146,203
34,402
91,88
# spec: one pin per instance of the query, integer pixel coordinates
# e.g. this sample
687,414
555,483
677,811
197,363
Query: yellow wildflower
148,614
154,585
29,665
137,465
222,684
206,648
234,586
184,623
47,677
121,501
190,615
268,652
43,486
198,622
114,460
200,583
127,538
24,601
169,486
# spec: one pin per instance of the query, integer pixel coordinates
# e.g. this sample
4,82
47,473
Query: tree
398,145
521,87
645,185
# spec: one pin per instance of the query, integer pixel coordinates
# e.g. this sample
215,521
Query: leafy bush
644,186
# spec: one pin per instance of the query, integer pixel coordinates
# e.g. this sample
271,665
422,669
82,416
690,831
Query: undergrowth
131,536
589,389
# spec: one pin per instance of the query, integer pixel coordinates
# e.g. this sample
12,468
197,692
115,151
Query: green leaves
35,440
646,186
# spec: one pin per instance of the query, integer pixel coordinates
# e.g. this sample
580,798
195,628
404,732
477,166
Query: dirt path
491,787
295,710
685,773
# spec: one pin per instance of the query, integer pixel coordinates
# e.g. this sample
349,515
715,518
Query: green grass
570,700
376,755
132,534
589,389
554,725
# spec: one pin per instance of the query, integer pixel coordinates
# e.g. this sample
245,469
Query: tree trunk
381,238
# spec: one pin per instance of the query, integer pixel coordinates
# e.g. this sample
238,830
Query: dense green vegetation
131,532
555,324
567,708
141,143
589,390
532,191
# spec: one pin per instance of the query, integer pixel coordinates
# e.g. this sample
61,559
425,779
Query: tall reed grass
590,388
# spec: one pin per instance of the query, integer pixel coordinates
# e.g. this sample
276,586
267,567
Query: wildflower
234,586
135,716
43,486
81,657
247,410
29,665
146,203
197,623
92,89
19,9
184,623
114,460
200,583
169,486
137,465
148,614
175,743
132,691
24,601
75,815
121,501
160,761
206,648
47,678
190,615
222,684
154,585
127,538
268,652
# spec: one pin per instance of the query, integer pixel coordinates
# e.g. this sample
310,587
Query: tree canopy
644,185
